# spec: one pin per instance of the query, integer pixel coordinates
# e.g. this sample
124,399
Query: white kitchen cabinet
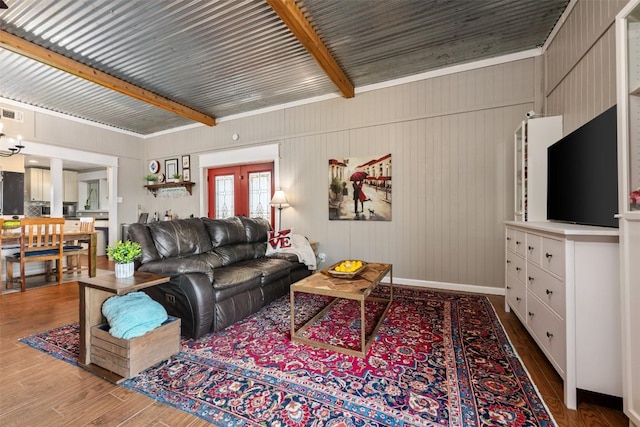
70,185
628,108
531,140
12,164
562,282
38,184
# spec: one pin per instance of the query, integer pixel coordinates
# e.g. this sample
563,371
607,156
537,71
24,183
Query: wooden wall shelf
154,188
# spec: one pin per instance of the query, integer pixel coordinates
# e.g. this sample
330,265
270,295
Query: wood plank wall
451,143
581,64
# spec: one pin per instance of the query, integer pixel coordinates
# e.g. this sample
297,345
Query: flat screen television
582,174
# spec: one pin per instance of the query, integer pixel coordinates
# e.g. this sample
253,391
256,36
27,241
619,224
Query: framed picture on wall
170,167
186,161
360,188
186,176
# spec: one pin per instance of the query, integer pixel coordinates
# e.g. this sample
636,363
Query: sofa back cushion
140,233
223,232
256,229
231,254
180,238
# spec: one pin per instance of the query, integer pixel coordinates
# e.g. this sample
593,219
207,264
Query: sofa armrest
189,297
177,266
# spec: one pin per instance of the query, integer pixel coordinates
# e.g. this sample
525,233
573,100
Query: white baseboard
490,290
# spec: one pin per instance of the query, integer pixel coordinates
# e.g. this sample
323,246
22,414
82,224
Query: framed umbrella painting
360,188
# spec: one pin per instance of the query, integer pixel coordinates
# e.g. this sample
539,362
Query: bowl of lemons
346,269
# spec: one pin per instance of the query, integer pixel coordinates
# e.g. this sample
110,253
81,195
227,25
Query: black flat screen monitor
582,174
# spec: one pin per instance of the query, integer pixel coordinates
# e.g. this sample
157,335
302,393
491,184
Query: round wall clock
160,177
154,166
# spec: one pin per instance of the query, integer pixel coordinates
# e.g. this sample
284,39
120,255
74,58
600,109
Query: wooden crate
127,358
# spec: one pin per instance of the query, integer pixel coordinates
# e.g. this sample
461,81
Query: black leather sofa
218,268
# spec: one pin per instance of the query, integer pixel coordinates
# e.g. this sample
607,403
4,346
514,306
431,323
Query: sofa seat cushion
270,268
291,257
234,279
180,238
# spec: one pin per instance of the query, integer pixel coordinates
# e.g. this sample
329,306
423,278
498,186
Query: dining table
11,239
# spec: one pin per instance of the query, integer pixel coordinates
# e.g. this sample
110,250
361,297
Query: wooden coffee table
358,288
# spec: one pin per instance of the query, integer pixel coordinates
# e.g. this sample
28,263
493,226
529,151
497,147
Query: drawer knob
548,255
518,269
518,299
530,314
508,238
549,292
517,243
549,335
508,287
508,261
530,248
531,279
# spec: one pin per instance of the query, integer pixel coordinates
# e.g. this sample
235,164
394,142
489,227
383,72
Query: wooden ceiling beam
78,69
292,16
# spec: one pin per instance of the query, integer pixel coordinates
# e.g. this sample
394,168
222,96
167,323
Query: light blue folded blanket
133,314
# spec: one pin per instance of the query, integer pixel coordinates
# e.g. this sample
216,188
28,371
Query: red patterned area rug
439,359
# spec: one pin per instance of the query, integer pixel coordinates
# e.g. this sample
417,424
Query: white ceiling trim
41,110
531,53
498,60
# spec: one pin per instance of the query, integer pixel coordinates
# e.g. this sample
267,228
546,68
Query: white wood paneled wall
451,143
450,140
581,63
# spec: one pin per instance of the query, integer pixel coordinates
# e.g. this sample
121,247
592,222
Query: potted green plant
124,254
151,179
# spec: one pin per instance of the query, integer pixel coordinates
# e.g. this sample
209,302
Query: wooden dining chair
73,252
41,240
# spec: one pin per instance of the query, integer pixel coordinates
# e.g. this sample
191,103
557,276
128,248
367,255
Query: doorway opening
241,190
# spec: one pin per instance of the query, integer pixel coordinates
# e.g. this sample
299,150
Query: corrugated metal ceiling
232,56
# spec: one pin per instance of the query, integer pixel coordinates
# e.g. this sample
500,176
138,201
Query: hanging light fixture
12,150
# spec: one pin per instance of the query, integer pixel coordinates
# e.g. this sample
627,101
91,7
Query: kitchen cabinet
628,101
12,164
70,186
38,185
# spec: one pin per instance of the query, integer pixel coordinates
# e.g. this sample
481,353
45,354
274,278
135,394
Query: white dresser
562,283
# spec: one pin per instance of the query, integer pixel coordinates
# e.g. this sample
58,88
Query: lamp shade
279,199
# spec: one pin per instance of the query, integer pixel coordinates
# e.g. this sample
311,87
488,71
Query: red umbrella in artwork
358,176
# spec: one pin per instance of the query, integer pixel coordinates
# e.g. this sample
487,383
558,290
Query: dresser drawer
520,243
511,239
534,248
516,266
553,256
549,331
548,288
516,293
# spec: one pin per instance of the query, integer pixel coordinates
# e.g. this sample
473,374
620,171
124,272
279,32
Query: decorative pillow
294,244
133,314
279,240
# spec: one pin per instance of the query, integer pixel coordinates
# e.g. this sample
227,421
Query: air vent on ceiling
18,116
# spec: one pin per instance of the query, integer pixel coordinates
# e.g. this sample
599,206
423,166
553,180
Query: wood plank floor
38,390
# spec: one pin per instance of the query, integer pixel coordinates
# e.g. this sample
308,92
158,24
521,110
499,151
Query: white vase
124,270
